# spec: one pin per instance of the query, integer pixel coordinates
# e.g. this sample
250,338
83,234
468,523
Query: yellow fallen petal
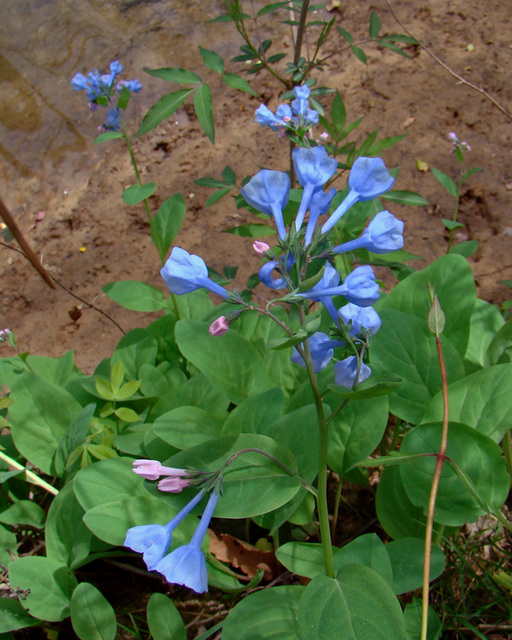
421,165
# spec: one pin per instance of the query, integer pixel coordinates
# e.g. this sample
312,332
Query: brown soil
49,164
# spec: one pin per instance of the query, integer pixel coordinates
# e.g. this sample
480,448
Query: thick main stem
440,458
321,500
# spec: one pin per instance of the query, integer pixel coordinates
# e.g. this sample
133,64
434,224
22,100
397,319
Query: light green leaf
108,135
405,197
164,620
185,427
446,182
137,193
47,584
374,27
173,74
24,512
92,616
13,616
236,82
407,559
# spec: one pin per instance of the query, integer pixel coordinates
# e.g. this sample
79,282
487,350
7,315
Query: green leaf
67,538
167,223
164,620
405,346
348,37
127,390
163,109
272,7
405,197
236,82
204,110
338,112
137,193
252,414
13,616
476,454
470,173
217,196
501,341
230,362
92,616
24,512
229,176
374,27
103,389
486,321
8,549
407,559
172,74
185,427
108,135
251,230
465,249
457,300
127,415
47,584
271,613
135,295
212,60
385,43
369,388
39,417
358,605
359,54
124,98
355,432
116,377
451,224
136,348
253,483
482,401
74,437
446,182
412,618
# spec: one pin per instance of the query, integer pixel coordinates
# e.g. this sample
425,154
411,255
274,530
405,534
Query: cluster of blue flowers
186,565
298,118
269,192
100,89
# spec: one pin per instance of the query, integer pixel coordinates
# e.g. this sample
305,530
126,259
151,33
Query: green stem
29,475
323,427
456,210
440,458
506,445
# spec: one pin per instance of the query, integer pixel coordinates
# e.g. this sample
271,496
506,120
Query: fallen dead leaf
244,556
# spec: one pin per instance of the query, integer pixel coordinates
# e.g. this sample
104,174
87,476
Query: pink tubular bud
152,470
260,247
219,327
173,485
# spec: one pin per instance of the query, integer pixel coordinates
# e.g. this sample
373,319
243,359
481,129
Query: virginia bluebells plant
295,120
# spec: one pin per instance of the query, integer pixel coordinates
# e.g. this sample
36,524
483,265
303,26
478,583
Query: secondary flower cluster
100,89
297,119
186,565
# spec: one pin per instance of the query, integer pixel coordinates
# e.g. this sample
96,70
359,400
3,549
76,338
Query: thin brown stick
449,69
20,239
87,304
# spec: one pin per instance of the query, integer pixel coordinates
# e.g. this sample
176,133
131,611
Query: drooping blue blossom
360,318
383,234
112,120
266,118
368,179
359,287
186,565
153,540
269,192
184,272
300,107
318,206
313,168
265,273
329,280
133,86
321,349
345,372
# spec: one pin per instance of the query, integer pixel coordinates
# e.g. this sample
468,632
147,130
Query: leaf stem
29,475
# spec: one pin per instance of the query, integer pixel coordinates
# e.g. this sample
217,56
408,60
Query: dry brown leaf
244,556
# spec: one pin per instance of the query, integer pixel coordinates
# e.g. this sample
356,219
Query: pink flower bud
152,470
260,247
286,119
219,327
324,135
173,485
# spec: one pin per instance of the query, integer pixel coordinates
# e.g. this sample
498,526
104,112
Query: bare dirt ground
48,164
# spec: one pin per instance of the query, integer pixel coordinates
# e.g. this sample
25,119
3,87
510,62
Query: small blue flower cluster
100,90
186,565
298,118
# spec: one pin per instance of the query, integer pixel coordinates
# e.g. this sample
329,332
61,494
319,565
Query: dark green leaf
272,7
446,181
465,249
394,48
348,37
359,54
162,109
229,176
167,223
135,295
384,143
338,112
374,27
210,182
451,224
470,173
276,57
215,197
172,74
236,82
204,110
164,620
254,230
124,98
212,60
92,616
